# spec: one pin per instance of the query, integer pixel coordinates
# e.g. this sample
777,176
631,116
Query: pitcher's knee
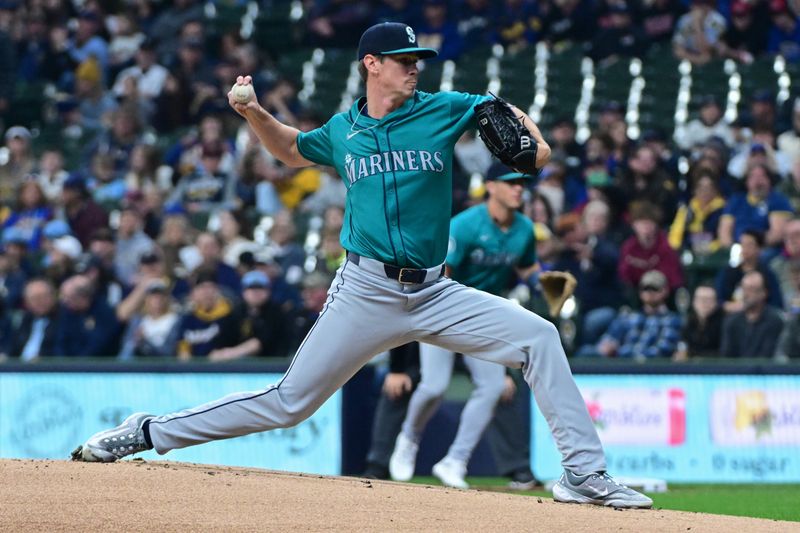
491,388
293,415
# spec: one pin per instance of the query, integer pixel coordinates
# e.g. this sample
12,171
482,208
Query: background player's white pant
367,313
436,368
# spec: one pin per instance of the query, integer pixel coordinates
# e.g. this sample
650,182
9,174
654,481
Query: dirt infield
165,496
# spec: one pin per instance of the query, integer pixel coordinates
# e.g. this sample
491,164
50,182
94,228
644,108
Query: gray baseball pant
367,313
436,367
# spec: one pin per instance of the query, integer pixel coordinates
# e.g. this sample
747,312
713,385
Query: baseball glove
556,288
504,135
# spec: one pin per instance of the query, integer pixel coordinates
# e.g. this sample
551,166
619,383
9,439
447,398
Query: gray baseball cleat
112,444
598,489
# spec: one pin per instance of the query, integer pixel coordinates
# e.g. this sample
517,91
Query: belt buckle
409,271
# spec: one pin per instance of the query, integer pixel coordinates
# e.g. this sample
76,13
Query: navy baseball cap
389,38
499,172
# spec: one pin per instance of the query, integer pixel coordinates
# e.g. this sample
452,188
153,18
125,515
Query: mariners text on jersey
392,161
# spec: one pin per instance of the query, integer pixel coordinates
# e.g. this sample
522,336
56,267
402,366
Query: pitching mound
164,496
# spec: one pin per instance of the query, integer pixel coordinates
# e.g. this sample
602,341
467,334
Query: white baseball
243,93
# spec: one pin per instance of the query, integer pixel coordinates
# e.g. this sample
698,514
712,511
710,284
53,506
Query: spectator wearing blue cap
30,213
55,228
87,42
265,330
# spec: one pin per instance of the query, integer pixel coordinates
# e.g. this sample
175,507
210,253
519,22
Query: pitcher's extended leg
329,356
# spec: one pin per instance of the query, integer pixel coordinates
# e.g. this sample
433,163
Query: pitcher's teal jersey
482,255
398,172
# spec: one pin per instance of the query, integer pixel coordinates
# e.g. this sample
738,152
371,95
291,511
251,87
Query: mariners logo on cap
411,37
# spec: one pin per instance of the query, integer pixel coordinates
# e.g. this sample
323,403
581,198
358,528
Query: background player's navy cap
392,38
499,172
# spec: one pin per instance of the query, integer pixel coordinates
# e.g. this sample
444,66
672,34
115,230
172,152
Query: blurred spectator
746,37
754,331
51,173
551,185
210,249
86,325
759,208
645,180
142,173
659,17
762,113
784,265
30,213
103,246
406,11
176,235
208,187
283,248
698,35
315,293
151,269
569,21
611,113
94,104
210,322
331,254
17,163
539,211
476,22
784,36
232,228
648,249
696,222
563,143
281,100
709,123
436,30
166,28
789,343
12,280
82,213
120,139
702,333
265,330
621,38
515,24
788,142
728,279
153,331
653,332
60,262
7,68
334,23
87,43
760,151
131,245
592,259
126,40
106,184
35,335
145,79
104,284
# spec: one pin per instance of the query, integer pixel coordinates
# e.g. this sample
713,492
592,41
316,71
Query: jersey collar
365,120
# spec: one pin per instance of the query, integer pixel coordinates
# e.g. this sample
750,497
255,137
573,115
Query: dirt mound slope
43,495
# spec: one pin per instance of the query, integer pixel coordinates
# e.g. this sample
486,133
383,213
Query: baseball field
39,495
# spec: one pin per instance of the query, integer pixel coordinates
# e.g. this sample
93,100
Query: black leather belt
401,274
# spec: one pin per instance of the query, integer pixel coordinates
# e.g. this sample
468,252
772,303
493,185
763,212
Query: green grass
778,502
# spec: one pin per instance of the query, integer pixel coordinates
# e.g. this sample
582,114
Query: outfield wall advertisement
688,428
46,415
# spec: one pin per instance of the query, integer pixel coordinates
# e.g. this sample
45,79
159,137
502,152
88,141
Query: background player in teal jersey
394,151
491,244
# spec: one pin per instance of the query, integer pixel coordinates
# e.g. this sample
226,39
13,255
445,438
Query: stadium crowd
115,243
